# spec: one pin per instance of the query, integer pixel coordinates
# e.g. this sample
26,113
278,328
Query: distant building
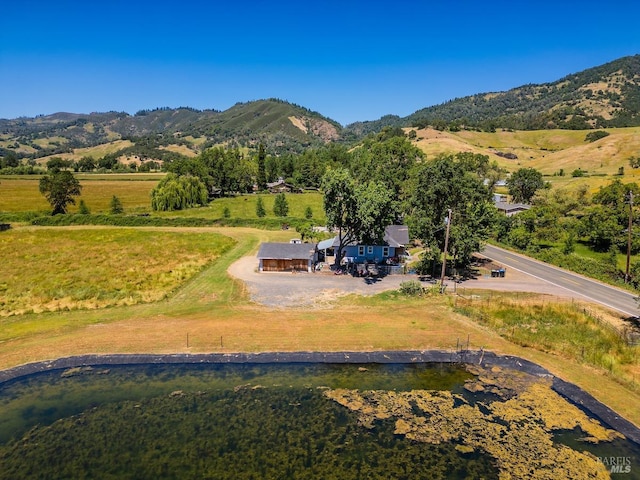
510,209
280,186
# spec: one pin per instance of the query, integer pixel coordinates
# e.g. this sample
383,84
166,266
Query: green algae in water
241,434
219,421
41,399
224,421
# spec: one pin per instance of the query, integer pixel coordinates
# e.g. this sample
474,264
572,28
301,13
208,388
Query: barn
286,257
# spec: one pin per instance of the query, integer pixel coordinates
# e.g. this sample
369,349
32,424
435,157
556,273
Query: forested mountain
604,96
600,97
280,125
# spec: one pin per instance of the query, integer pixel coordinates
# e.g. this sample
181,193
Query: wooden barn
286,257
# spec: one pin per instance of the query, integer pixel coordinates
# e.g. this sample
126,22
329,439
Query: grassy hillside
604,96
546,150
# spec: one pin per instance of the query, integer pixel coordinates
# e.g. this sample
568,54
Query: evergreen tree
83,209
262,174
281,206
116,206
260,211
308,213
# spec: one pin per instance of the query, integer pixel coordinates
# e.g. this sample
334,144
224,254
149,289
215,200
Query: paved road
580,286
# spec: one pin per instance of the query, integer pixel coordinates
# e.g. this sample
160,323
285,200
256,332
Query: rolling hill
607,96
603,96
280,125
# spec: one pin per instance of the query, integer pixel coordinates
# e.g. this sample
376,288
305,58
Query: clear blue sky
348,60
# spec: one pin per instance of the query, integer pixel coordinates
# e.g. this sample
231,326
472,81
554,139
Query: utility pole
446,246
626,275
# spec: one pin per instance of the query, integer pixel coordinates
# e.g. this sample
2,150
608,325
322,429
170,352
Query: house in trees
510,209
280,186
286,257
387,254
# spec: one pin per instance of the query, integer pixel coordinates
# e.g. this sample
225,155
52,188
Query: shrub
411,288
597,135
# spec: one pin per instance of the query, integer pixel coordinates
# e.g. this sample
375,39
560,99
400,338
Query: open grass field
213,310
21,194
97,267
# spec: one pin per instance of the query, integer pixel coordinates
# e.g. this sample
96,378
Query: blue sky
348,60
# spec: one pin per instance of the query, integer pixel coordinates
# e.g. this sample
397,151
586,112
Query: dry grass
57,269
545,150
19,194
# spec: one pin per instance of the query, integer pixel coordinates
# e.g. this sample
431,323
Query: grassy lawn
244,207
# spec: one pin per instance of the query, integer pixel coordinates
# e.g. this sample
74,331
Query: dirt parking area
317,290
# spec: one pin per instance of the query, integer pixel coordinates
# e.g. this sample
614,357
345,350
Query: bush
411,288
597,135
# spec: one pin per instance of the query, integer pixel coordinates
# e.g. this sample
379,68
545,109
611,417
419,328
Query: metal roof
324,244
286,251
394,236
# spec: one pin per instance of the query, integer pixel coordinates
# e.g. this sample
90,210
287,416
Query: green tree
261,179
226,213
60,188
260,211
57,163
178,192
83,209
280,205
308,213
441,185
86,164
115,207
360,212
524,183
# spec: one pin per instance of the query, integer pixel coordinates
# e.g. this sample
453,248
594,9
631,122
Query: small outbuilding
510,209
286,257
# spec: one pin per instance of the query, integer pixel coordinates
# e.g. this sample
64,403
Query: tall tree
60,187
360,212
524,183
281,206
444,184
260,211
177,193
261,179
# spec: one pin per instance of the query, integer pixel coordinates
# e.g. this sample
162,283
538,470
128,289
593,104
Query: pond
261,420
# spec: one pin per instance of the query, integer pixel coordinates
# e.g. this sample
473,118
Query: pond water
230,421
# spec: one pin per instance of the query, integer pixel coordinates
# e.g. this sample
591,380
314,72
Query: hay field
22,194
51,270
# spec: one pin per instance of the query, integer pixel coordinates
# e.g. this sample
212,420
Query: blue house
393,247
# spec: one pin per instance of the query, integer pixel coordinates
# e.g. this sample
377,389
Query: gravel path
285,290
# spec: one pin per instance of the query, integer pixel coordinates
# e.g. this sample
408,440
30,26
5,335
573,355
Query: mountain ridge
600,97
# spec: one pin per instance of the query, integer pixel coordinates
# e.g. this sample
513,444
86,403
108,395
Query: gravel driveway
283,290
